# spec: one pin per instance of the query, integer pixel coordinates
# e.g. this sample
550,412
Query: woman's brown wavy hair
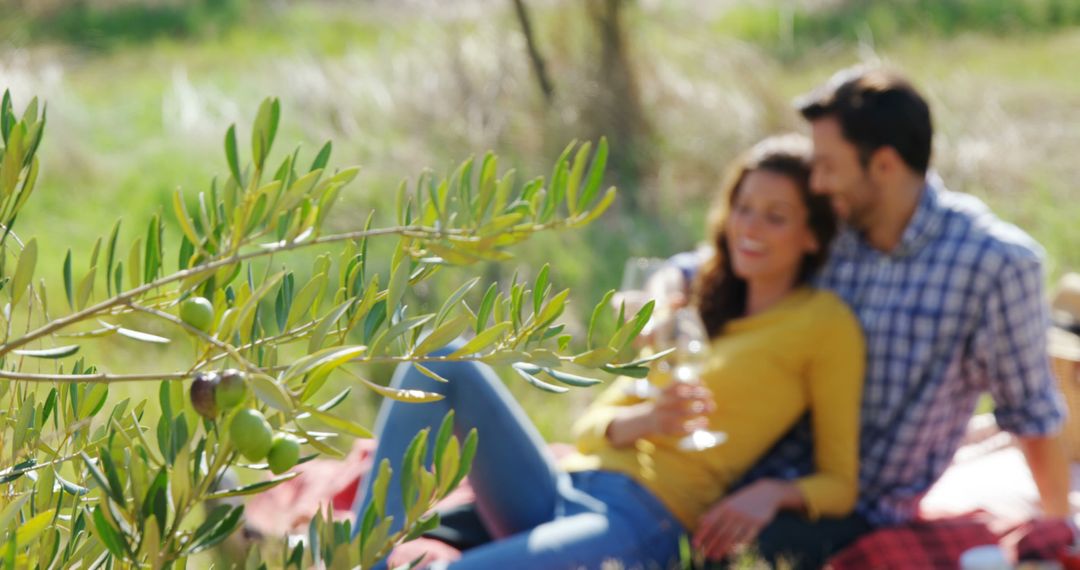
718,293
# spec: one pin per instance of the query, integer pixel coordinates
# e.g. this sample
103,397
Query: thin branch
267,249
283,338
422,359
9,471
97,378
104,378
10,232
250,366
125,297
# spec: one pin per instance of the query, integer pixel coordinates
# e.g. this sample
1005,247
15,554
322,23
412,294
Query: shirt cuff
824,495
1042,418
806,488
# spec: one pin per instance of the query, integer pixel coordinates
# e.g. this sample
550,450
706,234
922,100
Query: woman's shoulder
825,306
825,300
832,319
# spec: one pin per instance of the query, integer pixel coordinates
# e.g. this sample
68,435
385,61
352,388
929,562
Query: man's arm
1028,401
1050,469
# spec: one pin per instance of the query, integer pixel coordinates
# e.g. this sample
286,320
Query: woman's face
767,229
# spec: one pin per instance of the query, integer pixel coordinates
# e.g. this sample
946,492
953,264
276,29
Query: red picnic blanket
938,543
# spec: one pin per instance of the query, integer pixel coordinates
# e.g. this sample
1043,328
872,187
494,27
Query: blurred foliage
97,24
792,29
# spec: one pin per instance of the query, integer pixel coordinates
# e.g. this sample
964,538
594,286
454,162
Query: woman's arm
835,389
590,430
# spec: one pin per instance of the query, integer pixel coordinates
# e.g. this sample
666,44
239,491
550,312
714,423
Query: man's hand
738,519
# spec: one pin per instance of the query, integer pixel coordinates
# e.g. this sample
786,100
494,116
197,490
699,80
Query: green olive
197,312
284,453
251,434
232,389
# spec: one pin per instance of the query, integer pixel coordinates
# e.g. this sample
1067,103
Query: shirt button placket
879,290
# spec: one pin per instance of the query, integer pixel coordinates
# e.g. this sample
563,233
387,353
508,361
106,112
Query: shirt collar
925,224
927,221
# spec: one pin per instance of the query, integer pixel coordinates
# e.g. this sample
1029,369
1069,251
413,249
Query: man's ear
885,162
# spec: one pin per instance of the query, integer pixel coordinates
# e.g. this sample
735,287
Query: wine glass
641,282
686,333
645,279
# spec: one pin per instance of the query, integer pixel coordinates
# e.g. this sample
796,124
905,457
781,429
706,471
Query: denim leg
629,529
584,540
513,474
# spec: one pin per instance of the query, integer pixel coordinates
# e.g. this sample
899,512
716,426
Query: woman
778,350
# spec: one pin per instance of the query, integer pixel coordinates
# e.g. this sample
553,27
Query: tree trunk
618,104
537,60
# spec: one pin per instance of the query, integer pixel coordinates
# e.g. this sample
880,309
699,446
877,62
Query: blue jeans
541,517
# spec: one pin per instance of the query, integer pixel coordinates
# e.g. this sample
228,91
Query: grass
399,90
790,29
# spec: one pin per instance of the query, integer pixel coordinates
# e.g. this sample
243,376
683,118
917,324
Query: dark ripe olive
202,394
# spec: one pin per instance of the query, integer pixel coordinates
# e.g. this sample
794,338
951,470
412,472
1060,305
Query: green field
398,90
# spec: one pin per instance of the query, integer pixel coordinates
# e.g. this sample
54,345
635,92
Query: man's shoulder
689,262
691,259
970,223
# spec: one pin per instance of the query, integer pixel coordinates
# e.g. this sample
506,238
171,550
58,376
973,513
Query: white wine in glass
686,333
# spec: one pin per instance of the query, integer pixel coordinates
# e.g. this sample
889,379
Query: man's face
839,174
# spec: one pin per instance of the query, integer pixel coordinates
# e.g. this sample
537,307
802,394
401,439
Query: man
951,302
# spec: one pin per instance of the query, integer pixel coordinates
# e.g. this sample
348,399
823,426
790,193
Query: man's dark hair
875,108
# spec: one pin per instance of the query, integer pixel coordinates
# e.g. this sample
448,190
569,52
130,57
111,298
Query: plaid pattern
1040,539
915,546
957,309
939,543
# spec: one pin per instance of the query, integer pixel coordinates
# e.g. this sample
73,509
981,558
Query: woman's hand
738,519
678,409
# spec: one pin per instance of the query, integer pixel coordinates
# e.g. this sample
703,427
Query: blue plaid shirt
956,310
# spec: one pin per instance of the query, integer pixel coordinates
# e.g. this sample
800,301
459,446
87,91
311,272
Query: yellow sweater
804,353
